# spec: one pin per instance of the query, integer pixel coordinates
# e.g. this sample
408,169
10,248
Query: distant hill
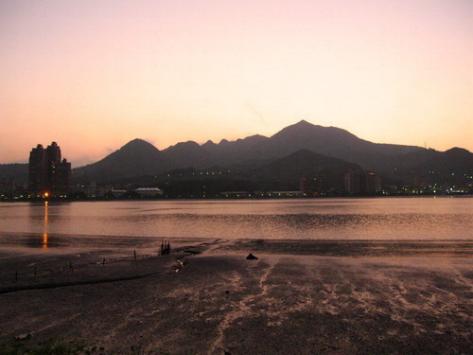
399,163
136,158
185,154
430,166
334,142
330,141
396,162
323,172
319,174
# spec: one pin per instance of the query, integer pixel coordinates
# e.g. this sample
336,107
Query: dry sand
300,297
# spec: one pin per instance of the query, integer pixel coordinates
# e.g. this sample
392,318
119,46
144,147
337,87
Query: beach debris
165,248
103,261
251,257
179,265
23,336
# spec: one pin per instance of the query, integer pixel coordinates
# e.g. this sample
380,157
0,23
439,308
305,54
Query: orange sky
94,74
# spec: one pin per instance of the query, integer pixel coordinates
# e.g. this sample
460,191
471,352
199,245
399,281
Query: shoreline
68,200
61,243
206,298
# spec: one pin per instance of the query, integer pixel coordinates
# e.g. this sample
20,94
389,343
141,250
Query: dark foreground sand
299,297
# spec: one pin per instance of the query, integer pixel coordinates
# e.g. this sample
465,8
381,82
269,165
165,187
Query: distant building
373,183
313,186
118,192
37,170
303,185
235,194
296,193
353,182
149,191
47,173
357,182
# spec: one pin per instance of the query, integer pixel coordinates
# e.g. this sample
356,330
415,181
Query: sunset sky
93,75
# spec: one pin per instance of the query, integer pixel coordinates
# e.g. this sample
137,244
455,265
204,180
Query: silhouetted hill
334,142
330,141
396,162
428,166
324,172
139,158
233,152
320,173
136,158
185,154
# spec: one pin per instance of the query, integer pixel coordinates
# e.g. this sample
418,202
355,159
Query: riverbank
273,196
205,297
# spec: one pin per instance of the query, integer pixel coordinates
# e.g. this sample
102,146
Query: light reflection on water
393,218
44,242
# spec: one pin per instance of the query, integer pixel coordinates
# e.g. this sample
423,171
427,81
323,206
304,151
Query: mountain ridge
139,157
392,160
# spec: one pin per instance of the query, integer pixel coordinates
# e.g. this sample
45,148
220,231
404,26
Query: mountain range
275,156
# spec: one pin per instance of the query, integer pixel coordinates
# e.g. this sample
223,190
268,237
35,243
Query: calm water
393,218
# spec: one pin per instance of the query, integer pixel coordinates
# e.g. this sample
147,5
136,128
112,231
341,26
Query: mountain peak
188,145
303,123
304,128
209,142
138,142
457,152
255,137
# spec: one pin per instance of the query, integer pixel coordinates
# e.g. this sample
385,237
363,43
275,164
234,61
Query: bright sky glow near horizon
93,75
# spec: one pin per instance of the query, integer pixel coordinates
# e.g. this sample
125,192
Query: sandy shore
306,297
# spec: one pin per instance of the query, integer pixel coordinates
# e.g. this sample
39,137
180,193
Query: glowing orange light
44,243
45,226
46,195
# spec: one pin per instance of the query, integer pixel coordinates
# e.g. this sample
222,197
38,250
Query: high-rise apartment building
48,172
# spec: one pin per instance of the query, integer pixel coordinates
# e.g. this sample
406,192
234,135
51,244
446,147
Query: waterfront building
48,173
357,182
373,183
353,182
149,191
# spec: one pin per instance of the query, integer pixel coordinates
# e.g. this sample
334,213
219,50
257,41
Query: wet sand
304,297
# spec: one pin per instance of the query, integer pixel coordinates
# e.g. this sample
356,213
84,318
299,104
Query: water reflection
374,219
44,243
